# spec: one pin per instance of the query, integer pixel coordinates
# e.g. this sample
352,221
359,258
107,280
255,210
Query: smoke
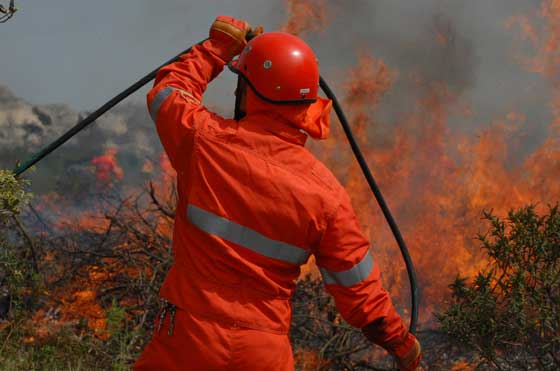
462,43
26,128
467,47
22,125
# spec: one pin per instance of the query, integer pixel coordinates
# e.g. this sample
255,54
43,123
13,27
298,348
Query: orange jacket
254,204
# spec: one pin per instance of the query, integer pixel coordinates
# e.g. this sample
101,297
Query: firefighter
253,206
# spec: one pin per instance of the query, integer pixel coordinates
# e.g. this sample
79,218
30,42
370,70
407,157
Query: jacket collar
313,119
276,125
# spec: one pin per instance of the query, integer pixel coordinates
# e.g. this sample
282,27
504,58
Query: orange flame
308,15
107,170
78,299
462,365
436,180
71,304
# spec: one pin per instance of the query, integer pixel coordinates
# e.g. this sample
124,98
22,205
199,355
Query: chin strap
238,114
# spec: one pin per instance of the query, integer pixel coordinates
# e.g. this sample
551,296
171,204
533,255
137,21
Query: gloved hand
408,353
231,35
411,359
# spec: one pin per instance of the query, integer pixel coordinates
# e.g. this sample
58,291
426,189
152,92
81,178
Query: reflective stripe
352,276
246,237
158,101
188,97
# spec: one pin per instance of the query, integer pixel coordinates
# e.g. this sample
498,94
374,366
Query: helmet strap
238,113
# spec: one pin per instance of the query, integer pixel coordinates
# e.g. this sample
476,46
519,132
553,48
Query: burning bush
87,290
95,287
82,294
510,313
321,339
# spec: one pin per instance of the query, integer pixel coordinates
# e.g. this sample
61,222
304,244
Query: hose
380,200
347,130
35,158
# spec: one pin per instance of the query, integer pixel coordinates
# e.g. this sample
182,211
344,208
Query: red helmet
280,68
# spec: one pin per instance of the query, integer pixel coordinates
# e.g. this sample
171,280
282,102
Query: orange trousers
200,345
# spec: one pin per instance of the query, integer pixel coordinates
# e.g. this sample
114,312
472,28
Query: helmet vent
267,64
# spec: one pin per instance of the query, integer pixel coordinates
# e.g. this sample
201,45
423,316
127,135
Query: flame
543,36
166,167
442,38
78,300
463,365
308,15
148,167
107,170
437,180
69,305
308,360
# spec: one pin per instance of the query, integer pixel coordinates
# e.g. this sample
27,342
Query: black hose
380,200
342,118
92,117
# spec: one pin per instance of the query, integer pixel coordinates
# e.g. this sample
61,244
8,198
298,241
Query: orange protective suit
254,204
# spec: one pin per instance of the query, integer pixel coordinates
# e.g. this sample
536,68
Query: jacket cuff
397,346
224,48
400,347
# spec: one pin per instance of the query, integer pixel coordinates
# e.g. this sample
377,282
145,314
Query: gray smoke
83,58
26,128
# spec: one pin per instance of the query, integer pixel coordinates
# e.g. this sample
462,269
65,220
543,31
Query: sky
84,52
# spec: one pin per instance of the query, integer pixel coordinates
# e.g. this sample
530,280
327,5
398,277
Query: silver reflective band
158,100
349,277
246,237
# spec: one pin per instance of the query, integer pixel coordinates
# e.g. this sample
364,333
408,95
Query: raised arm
175,101
353,279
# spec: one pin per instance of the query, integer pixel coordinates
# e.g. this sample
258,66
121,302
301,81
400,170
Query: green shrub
15,274
510,313
12,195
124,338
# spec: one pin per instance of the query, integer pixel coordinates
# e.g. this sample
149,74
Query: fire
368,82
69,305
436,180
308,360
442,38
544,39
79,300
107,170
148,167
166,167
308,15
462,366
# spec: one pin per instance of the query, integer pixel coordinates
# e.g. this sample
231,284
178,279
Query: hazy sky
84,52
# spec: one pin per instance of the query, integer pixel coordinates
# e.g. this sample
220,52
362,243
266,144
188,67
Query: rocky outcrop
25,128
